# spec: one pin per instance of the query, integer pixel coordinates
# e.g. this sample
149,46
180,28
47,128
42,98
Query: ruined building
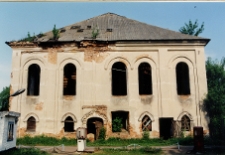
105,68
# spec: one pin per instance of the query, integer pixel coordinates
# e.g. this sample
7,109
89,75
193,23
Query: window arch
33,86
69,124
146,123
69,80
185,123
31,124
119,79
145,79
182,77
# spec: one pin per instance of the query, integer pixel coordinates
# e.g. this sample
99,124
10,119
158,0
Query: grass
50,141
24,151
142,142
140,151
45,141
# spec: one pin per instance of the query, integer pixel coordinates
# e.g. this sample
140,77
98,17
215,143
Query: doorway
166,127
94,125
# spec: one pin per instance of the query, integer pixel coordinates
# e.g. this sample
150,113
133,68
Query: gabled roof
112,27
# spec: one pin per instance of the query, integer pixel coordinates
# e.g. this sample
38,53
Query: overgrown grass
50,141
23,151
124,151
44,140
143,142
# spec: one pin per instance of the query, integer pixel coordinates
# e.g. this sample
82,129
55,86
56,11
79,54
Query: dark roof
113,27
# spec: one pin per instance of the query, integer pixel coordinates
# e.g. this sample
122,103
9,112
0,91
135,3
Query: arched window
145,79
31,124
146,123
69,125
182,75
69,80
119,79
185,123
33,80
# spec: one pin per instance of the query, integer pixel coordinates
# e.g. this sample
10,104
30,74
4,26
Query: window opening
33,80
119,79
182,75
31,124
145,79
120,121
185,123
146,123
10,131
69,80
69,125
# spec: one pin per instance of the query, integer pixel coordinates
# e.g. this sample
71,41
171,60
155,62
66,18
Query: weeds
24,151
44,140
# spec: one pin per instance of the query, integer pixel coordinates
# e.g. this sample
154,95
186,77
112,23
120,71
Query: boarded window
33,80
69,125
185,123
146,123
31,124
69,80
182,75
145,79
119,79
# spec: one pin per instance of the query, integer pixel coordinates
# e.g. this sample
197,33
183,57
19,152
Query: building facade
105,68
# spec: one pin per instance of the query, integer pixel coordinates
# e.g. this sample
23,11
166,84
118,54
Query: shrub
117,124
145,135
102,134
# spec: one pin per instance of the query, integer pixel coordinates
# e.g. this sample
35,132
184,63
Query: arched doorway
94,124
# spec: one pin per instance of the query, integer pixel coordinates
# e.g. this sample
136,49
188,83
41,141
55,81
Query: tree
192,29
214,103
4,99
55,33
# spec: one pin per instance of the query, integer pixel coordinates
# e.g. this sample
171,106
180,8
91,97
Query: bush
145,135
117,124
102,134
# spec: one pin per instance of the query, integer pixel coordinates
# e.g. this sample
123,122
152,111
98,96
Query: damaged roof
113,27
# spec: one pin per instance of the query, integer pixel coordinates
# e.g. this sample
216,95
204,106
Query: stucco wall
93,68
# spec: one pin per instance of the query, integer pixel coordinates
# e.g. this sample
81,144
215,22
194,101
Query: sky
19,18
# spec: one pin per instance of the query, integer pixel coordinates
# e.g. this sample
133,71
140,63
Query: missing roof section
109,30
62,30
89,27
80,30
75,27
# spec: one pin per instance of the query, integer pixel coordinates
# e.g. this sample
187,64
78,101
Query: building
105,68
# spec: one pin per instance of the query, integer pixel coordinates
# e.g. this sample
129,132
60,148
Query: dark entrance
166,127
94,125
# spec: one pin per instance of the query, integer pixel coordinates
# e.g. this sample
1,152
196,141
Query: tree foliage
4,99
55,33
192,28
215,99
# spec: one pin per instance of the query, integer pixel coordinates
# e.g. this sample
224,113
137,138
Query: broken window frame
33,80
69,79
31,124
10,134
146,123
69,124
119,79
124,115
145,79
182,79
185,123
